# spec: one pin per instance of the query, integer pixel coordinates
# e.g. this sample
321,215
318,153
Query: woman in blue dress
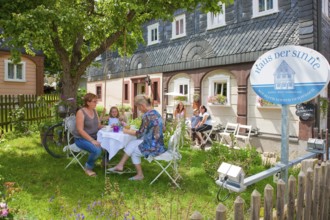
150,140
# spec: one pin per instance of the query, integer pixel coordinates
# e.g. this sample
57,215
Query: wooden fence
309,200
36,108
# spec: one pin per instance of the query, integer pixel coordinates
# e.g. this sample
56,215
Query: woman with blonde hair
150,140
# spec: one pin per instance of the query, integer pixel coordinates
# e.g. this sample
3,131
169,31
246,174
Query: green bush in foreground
248,159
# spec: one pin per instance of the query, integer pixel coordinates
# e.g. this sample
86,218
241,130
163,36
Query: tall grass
45,190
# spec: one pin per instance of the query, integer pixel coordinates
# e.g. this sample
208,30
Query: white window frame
257,13
218,19
151,28
325,7
220,79
7,62
178,18
182,82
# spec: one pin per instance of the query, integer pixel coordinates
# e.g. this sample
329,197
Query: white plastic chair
71,148
243,133
230,129
171,157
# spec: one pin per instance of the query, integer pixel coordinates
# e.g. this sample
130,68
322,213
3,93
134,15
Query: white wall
220,113
112,91
268,119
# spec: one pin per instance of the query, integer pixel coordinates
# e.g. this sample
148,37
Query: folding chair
207,134
71,148
243,133
226,135
171,156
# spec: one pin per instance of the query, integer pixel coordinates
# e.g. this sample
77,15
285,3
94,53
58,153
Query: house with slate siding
208,54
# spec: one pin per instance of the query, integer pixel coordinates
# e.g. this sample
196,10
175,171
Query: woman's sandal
90,173
134,178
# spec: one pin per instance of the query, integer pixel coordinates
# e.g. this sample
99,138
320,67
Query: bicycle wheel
54,140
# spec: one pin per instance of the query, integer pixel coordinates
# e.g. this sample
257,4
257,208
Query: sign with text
290,75
305,111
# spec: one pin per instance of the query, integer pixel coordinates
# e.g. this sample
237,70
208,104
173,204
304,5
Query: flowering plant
263,102
4,211
217,99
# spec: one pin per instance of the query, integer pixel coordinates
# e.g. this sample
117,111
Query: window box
262,103
218,105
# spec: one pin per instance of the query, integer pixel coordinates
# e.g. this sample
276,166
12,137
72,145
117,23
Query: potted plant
196,98
180,98
217,99
264,103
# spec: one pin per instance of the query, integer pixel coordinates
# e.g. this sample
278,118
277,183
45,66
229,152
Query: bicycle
56,137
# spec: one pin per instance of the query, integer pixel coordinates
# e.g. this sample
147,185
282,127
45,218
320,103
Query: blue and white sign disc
290,75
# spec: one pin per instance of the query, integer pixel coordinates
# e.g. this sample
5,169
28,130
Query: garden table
113,141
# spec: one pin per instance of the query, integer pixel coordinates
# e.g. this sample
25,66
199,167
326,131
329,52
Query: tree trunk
70,84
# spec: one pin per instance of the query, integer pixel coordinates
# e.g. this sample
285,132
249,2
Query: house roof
240,42
6,48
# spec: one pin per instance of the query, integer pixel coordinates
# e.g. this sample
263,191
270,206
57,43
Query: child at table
113,116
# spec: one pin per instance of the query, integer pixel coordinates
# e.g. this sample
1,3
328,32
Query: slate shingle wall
242,39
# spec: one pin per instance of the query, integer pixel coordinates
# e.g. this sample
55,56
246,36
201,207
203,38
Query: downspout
318,48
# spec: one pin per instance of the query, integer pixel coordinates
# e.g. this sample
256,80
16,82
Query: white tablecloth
113,142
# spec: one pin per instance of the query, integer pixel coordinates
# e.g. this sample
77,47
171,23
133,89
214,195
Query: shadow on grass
43,178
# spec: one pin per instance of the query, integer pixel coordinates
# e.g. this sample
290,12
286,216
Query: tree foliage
72,33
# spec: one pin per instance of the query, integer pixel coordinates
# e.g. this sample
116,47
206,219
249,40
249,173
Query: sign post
289,75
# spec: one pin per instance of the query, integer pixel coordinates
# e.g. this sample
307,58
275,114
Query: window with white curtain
264,7
220,85
181,85
153,34
215,20
14,72
179,26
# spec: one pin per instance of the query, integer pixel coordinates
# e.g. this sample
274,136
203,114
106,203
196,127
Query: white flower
3,205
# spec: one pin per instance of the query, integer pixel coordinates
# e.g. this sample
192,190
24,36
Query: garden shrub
248,159
17,118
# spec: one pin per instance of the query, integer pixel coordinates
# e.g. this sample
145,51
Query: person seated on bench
204,125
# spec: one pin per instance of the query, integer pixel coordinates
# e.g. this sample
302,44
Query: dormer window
153,34
179,26
218,19
264,7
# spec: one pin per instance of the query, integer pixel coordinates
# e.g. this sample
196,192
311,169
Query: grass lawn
45,190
